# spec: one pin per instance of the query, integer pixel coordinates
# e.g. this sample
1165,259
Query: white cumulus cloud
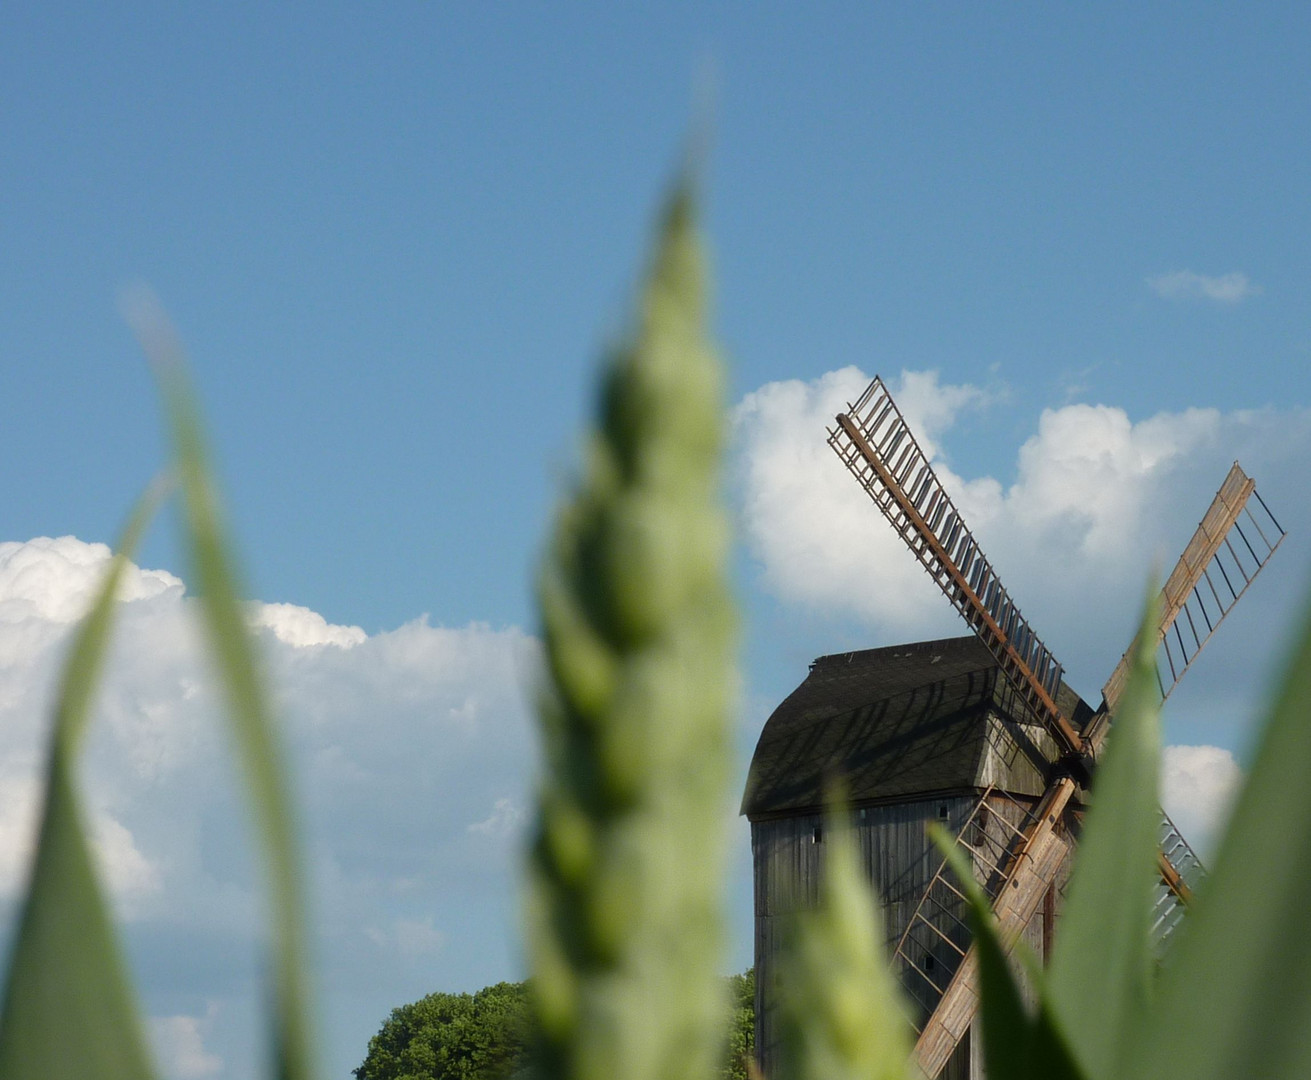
53,579
128,873
18,808
179,1043
816,543
303,628
505,820
1189,285
1088,474
1198,786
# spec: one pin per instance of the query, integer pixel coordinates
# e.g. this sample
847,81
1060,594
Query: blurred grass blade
69,1010
840,1011
234,657
1235,995
1102,962
90,645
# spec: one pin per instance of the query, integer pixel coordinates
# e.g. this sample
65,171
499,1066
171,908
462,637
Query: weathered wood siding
899,860
896,853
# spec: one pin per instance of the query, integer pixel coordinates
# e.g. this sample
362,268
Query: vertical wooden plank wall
899,859
787,863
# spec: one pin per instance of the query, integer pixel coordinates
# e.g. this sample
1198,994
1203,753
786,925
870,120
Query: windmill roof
899,722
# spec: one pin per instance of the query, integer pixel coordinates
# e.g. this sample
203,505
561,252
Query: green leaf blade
1101,965
1235,996
252,725
68,1007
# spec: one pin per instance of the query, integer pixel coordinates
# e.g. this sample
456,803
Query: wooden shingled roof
900,722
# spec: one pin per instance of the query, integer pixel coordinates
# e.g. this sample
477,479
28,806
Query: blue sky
396,242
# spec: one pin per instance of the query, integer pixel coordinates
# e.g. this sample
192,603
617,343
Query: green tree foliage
488,1035
741,1043
482,1036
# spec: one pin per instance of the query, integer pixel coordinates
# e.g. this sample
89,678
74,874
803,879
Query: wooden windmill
979,733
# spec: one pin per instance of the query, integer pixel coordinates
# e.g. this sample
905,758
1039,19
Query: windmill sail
935,944
876,444
1233,543
1168,905
1019,866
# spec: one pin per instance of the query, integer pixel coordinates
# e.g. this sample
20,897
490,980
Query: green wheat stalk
626,865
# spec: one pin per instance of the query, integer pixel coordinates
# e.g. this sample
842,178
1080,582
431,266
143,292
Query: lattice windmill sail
1020,862
875,443
981,734
1219,563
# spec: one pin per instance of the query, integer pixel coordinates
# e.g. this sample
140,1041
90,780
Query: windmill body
979,734
923,733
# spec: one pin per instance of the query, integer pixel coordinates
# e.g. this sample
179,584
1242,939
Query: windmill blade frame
1220,548
876,444
1031,869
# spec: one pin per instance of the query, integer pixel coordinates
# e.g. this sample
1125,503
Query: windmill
980,733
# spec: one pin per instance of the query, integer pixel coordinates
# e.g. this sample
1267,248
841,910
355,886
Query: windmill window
929,963
942,812
817,835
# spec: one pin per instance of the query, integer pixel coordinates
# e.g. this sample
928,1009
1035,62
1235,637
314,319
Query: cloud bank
411,751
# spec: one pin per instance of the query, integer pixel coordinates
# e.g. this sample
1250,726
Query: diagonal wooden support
876,444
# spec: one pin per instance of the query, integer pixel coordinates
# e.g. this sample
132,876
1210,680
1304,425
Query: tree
487,1035
482,1036
741,1025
